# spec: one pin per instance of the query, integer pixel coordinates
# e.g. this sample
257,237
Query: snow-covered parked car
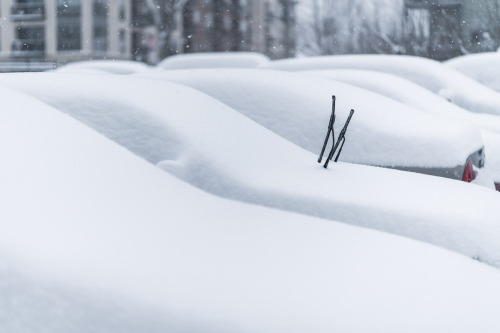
95,239
412,94
482,67
430,74
211,146
122,67
382,132
214,60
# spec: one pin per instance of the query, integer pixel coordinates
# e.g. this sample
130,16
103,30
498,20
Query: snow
107,66
432,75
382,132
95,237
213,60
189,138
412,94
482,67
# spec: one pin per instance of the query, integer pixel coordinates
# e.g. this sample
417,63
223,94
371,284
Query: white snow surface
97,239
121,67
382,132
409,93
214,147
213,60
432,75
482,67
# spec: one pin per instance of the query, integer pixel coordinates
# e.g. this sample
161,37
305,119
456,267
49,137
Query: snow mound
414,95
482,67
433,75
122,67
215,148
382,132
214,60
86,217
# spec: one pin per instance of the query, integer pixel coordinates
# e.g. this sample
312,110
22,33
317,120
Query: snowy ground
112,225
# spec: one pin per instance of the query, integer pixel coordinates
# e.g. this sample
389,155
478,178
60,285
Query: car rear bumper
477,160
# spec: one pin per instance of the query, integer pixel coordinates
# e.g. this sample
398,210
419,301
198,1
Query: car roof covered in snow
382,131
123,67
482,67
432,75
214,60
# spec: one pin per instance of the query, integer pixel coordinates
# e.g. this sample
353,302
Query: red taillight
469,173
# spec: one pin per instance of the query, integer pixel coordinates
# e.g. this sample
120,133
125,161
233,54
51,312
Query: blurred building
144,36
433,28
273,28
64,30
481,25
442,29
265,26
61,31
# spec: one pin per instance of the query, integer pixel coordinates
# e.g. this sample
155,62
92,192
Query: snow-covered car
382,132
430,74
412,94
211,146
214,60
95,239
482,67
122,67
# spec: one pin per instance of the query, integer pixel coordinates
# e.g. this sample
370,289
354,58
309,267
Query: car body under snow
430,74
214,60
216,148
94,239
409,93
482,67
122,67
382,132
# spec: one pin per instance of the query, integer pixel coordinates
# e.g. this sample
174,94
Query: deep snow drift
211,146
433,75
482,67
112,243
383,132
409,93
213,60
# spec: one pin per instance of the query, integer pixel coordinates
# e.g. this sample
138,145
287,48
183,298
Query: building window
209,20
142,16
139,49
121,41
69,35
121,11
30,41
196,17
100,11
28,10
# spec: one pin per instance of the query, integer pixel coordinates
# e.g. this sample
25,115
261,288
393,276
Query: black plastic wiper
330,129
340,139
